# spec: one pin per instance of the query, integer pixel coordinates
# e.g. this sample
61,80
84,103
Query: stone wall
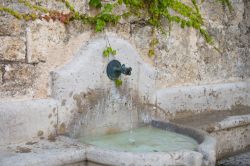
29,51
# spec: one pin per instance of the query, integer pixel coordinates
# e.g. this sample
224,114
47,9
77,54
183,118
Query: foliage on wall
153,12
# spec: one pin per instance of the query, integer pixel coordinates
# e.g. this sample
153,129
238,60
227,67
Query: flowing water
146,139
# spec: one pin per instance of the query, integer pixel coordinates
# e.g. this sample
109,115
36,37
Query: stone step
230,128
241,159
62,151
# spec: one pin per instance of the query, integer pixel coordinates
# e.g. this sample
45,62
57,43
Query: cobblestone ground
242,159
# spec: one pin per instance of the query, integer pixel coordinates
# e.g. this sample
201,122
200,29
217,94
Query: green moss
95,3
205,34
34,7
152,45
227,4
12,12
151,53
68,5
16,14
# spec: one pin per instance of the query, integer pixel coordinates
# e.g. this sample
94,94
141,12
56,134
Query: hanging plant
109,51
156,10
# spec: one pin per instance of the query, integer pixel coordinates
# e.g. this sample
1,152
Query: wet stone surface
242,159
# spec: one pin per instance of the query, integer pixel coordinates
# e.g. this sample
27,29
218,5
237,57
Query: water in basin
144,139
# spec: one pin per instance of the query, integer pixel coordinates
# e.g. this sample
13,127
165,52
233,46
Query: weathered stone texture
242,159
142,36
1,74
12,48
182,56
18,79
10,26
42,36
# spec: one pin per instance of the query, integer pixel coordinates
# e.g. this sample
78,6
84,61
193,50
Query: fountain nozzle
126,70
115,69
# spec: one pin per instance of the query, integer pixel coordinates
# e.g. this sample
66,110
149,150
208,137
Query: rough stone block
43,36
11,26
20,121
18,79
142,36
19,74
12,48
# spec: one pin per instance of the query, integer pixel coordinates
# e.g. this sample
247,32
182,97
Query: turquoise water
145,139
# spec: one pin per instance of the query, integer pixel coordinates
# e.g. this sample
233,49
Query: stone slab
12,48
18,79
24,120
232,140
242,159
19,74
188,100
43,152
11,27
42,36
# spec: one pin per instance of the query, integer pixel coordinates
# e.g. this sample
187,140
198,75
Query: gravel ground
242,159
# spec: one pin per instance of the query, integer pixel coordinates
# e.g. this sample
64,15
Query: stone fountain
85,103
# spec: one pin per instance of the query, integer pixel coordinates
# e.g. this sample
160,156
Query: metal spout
115,69
126,70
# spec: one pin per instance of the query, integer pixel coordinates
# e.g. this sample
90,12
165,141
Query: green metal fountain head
115,69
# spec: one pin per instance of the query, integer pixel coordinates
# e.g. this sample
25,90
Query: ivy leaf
183,23
207,37
95,3
108,8
100,24
118,82
105,53
108,51
113,52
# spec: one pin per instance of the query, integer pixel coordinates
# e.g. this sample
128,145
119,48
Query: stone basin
200,151
71,152
143,139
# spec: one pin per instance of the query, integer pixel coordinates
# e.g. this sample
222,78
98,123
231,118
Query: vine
153,43
34,7
109,51
95,3
157,10
226,3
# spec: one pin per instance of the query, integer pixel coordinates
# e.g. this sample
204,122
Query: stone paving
41,152
242,159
